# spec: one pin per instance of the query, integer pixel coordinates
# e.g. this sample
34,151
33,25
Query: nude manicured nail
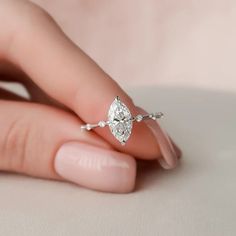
96,168
169,157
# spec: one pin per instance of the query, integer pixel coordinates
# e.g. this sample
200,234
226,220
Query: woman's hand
41,136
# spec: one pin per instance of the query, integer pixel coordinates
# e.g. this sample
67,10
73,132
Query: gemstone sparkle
120,122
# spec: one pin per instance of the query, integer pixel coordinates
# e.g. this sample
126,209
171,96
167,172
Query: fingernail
96,168
169,158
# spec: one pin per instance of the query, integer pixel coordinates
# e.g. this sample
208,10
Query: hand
41,136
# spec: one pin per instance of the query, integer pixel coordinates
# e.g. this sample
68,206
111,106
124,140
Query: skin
67,89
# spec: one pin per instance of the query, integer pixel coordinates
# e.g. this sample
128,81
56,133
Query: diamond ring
120,120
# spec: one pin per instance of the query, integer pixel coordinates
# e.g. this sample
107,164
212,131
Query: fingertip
178,151
141,144
170,153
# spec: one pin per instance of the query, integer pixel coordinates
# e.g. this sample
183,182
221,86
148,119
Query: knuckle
22,10
33,14
15,146
20,21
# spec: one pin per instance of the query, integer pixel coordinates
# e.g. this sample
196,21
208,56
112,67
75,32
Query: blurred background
171,42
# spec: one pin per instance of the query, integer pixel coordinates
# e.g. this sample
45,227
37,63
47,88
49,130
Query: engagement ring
120,120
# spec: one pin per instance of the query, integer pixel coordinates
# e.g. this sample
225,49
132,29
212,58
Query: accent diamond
120,122
102,123
88,127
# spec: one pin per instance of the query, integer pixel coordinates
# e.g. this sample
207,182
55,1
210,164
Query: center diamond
120,122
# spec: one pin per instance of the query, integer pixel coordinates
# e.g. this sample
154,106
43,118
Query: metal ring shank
137,118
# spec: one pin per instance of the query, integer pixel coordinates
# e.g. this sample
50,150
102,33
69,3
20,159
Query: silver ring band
120,121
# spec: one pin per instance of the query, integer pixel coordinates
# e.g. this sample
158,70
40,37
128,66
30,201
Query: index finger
33,41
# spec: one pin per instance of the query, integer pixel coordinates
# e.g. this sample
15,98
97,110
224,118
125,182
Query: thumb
46,142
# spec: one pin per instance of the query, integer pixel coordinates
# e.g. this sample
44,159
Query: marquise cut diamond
120,120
